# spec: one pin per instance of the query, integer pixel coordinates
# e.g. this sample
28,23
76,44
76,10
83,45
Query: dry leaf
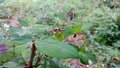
77,39
14,20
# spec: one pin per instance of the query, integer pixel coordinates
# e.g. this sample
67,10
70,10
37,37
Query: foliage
53,33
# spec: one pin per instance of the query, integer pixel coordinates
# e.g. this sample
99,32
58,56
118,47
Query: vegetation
59,34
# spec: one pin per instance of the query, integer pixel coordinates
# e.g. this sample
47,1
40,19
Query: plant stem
44,65
38,59
23,59
32,54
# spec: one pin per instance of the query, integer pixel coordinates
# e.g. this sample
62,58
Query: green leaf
15,28
76,29
86,26
31,20
16,43
5,58
10,65
39,29
56,49
67,31
61,16
24,38
91,57
12,53
118,19
59,36
72,30
54,63
18,50
23,22
86,56
82,49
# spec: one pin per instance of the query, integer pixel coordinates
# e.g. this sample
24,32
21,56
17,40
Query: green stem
44,64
